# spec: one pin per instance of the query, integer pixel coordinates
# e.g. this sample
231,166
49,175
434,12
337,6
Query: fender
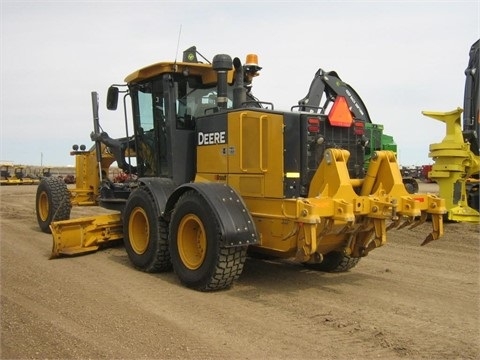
161,189
236,223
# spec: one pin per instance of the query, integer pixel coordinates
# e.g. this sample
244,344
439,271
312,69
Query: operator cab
167,98
165,110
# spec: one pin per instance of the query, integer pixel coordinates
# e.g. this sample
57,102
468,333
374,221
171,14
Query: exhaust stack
222,63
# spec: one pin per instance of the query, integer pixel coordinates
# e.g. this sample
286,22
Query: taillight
313,125
359,127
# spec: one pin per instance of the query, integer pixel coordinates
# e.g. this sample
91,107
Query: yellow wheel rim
138,230
43,206
192,241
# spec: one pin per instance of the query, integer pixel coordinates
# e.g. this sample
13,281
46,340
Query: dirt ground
402,301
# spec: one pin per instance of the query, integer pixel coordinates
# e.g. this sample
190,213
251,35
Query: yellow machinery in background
18,178
456,166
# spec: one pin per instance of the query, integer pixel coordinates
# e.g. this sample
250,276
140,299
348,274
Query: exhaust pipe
222,63
239,91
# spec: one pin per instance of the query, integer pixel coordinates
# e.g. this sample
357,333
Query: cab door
150,130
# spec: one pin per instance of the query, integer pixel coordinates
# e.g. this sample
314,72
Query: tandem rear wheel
334,261
199,258
145,233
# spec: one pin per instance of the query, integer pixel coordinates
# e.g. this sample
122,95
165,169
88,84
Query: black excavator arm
471,104
330,85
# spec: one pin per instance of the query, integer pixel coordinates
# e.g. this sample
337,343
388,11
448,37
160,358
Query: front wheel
334,261
52,202
198,256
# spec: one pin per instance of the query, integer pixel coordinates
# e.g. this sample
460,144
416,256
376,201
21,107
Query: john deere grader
216,175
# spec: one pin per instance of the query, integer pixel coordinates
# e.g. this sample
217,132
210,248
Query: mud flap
237,226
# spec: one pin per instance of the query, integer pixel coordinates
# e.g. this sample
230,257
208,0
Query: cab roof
205,71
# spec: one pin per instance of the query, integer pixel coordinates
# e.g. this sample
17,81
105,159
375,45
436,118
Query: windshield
193,102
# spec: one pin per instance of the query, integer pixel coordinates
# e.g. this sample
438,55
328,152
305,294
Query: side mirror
112,98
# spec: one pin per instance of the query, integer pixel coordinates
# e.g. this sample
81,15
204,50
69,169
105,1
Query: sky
401,57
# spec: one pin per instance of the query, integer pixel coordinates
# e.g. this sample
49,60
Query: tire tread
59,201
158,257
225,264
334,262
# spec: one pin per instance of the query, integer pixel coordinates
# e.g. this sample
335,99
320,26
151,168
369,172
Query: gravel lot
402,301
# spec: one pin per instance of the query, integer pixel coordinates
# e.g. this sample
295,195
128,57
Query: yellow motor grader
215,175
18,178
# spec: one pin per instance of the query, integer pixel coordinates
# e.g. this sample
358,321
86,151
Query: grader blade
84,235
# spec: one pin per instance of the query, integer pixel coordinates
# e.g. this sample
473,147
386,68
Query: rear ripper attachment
343,215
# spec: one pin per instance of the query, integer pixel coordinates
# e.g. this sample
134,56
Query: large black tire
145,233
473,197
198,257
334,261
52,202
411,185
